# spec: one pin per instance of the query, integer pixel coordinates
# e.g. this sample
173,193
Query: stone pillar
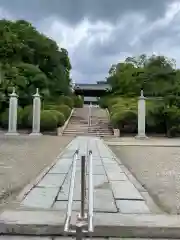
36,114
73,85
141,117
13,105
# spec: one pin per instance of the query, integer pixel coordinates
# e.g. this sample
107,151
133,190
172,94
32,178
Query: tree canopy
30,60
156,75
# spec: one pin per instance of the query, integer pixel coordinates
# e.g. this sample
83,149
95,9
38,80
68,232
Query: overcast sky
98,33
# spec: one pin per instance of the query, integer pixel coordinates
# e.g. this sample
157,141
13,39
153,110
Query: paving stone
62,205
58,168
52,180
131,206
100,182
63,160
69,155
23,238
64,193
108,161
40,197
98,170
68,238
104,201
125,190
111,168
97,162
117,176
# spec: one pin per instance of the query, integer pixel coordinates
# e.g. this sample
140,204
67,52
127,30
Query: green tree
30,60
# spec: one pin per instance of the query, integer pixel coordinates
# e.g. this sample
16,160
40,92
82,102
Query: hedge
4,119
160,117
59,116
64,109
27,116
49,121
66,101
78,102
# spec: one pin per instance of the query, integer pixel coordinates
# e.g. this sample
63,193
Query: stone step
74,133
51,223
78,123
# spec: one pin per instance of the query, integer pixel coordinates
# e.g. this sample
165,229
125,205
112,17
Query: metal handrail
90,194
71,192
90,106
83,186
85,220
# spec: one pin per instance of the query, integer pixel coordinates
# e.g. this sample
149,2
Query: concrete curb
62,129
50,223
141,144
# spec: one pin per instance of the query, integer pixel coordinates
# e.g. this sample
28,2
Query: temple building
91,92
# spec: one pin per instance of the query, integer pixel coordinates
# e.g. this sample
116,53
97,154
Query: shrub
173,131
78,101
27,116
123,114
65,100
59,116
49,121
155,118
103,102
64,109
5,118
124,117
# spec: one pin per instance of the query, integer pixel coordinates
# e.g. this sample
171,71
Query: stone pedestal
141,117
116,132
36,115
13,105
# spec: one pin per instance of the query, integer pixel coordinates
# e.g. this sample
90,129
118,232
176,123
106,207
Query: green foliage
27,116
61,108
59,116
64,109
155,118
5,118
78,101
103,102
30,60
158,77
123,112
49,120
66,101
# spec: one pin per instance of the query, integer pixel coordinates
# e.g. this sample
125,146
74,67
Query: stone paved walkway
113,189
66,238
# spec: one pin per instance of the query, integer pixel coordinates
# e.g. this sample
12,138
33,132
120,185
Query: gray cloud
73,11
130,27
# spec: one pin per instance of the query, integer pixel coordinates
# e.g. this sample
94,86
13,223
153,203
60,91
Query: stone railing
61,130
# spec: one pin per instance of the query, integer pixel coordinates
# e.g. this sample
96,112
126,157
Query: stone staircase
79,122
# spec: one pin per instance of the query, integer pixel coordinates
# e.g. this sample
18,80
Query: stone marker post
13,105
36,114
141,117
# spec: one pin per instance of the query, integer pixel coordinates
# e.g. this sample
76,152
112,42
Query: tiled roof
92,86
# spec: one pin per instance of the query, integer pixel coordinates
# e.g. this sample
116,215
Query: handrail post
79,231
90,194
90,106
83,186
71,192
